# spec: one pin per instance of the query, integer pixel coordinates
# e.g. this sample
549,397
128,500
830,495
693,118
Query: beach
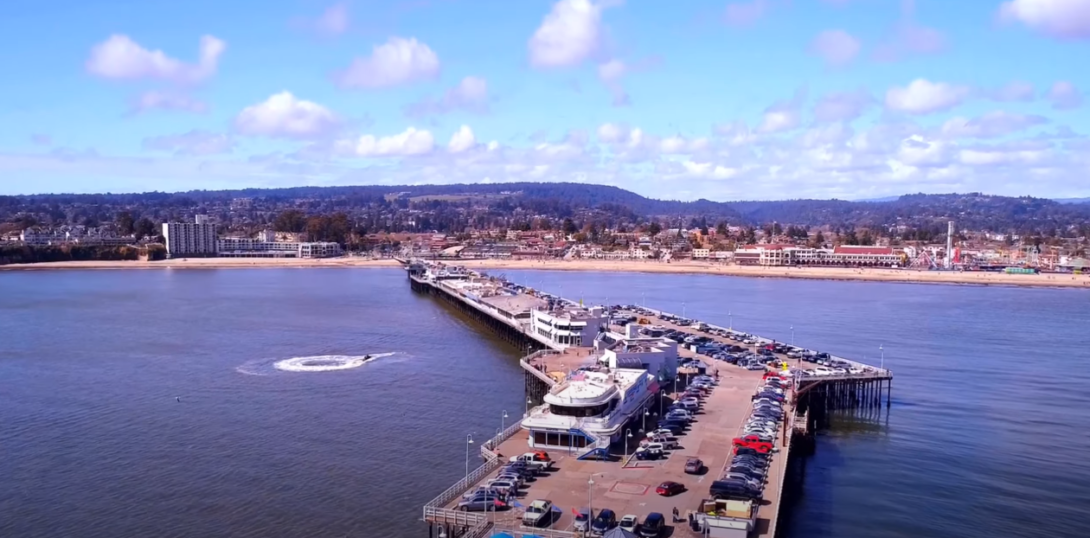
681,267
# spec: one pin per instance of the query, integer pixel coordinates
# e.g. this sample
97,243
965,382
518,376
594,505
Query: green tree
292,220
569,227
144,228
125,222
721,229
654,229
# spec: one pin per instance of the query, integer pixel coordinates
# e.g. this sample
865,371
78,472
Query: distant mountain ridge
970,210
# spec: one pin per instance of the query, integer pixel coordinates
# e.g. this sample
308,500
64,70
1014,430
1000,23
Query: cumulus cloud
194,142
610,74
462,140
396,62
745,13
155,100
836,47
1015,91
410,142
284,115
471,95
334,20
708,170
1064,96
925,97
842,106
119,57
569,34
783,115
1061,19
991,125
908,38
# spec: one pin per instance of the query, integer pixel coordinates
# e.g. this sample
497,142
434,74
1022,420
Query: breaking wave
316,363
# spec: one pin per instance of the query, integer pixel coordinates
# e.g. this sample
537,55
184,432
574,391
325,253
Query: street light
503,421
590,499
883,352
662,395
469,441
527,412
626,438
792,336
646,413
731,316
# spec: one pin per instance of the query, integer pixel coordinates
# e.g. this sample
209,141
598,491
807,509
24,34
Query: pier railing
435,511
528,365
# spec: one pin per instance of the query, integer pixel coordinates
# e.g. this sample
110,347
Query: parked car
481,503
629,523
647,454
669,488
694,466
537,513
652,526
604,521
582,520
754,442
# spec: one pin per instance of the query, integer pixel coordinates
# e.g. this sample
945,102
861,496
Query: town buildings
196,238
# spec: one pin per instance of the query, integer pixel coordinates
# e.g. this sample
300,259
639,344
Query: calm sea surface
147,403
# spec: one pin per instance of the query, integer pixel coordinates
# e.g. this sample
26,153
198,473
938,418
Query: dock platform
622,483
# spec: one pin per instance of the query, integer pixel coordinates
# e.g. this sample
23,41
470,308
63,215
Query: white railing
434,511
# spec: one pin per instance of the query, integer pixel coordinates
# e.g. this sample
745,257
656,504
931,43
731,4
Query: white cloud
191,143
844,106
1062,19
154,100
334,20
745,13
471,94
611,70
284,115
991,125
396,62
462,140
924,97
1015,91
836,47
119,57
708,170
611,133
412,141
919,151
775,121
1064,96
569,34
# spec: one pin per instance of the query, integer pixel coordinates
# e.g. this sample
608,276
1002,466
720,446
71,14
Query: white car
821,370
629,523
856,371
661,447
537,512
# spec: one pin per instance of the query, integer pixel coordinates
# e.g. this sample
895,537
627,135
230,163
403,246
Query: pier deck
630,489
626,485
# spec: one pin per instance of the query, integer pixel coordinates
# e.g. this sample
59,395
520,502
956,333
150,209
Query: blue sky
754,99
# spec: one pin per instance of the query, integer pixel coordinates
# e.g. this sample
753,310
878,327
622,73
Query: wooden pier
808,409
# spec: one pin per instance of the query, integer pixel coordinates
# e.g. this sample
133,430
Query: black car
604,521
652,525
733,489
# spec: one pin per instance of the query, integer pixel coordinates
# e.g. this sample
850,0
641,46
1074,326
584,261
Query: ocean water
171,403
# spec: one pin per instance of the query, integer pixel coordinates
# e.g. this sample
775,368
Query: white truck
538,512
534,461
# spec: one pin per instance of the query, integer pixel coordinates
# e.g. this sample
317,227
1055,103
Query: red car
669,489
754,442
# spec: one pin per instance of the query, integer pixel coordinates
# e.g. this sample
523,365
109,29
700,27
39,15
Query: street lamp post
527,412
626,438
792,336
469,441
683,309
731,316
646,413
883,352
590,499
503,422
662,395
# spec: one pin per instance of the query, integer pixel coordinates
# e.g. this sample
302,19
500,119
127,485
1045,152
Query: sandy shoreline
873,275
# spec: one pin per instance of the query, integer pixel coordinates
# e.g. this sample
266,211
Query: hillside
563,200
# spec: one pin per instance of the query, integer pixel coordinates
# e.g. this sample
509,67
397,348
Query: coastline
605,266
